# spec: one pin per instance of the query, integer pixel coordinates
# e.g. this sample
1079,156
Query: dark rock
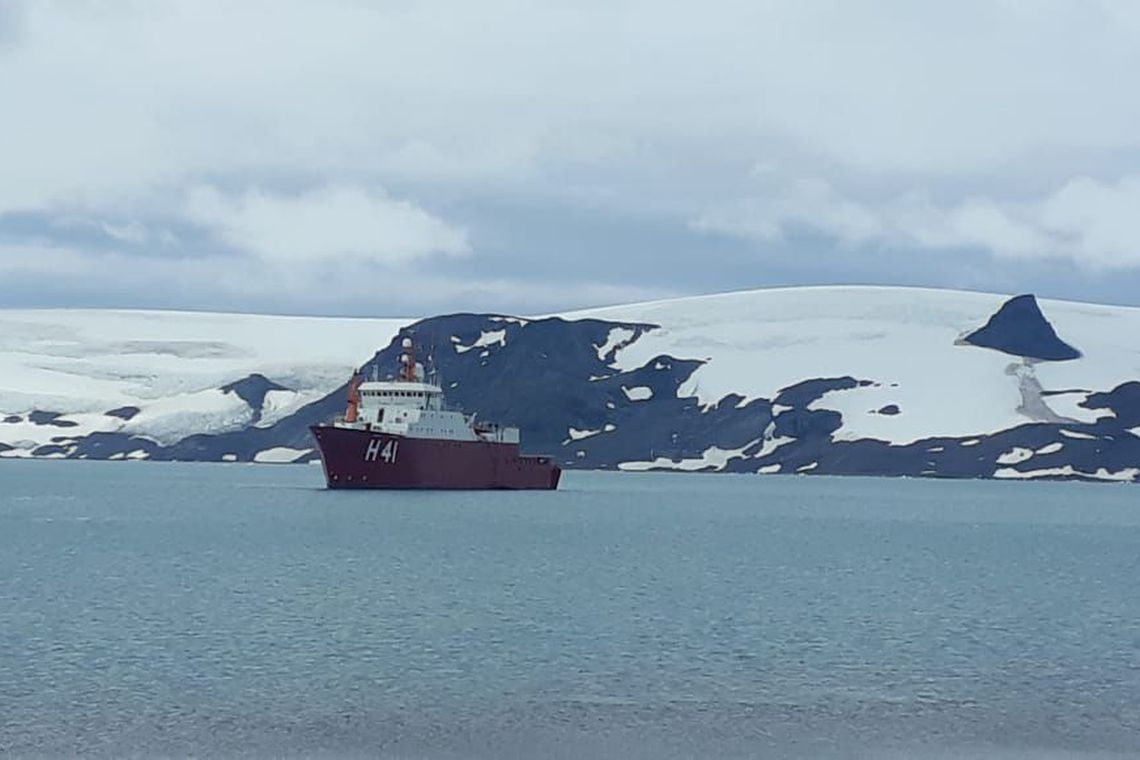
803,393
50,418
889,409
49,449
1123,401
43,418
807,423
252,391
106,445
1019,328
123,412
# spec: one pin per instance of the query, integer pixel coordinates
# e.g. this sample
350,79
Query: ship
400,433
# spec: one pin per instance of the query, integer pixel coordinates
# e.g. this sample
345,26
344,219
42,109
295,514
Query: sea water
152,609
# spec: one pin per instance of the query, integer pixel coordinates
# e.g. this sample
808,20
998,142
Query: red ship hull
355,458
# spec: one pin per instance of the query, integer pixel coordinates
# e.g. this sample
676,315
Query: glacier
821,380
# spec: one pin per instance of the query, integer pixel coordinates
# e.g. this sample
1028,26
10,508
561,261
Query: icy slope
904,340
839,380
167,369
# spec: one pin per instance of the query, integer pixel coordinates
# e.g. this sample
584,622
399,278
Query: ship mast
352,410
408,361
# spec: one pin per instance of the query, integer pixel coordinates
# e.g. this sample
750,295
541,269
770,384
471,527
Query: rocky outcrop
1020,329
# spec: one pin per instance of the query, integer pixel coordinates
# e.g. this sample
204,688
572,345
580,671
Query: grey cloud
497,146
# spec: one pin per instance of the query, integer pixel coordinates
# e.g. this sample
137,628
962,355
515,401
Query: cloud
129,232
197,128
334,222
1096,222
44,260
354,286
805,203
1092,224
114,97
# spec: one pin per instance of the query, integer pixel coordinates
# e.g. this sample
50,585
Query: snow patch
26,434
171,419
486,338
638,392
771,444
280,454
1050,448
970,442
770,469
713,457
1126,475
1015,455
577,435
618,338
1068,405
280,404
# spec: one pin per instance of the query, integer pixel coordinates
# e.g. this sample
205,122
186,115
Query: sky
406,157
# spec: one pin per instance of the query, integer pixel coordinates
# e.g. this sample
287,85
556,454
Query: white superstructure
412,407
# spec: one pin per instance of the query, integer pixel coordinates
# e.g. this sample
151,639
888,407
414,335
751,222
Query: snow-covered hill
903,339
165,375
876,380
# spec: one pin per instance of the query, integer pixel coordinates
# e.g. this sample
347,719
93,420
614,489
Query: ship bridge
411,406
401,393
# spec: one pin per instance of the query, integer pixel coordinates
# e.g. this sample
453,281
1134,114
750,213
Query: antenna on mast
431,371
408,360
